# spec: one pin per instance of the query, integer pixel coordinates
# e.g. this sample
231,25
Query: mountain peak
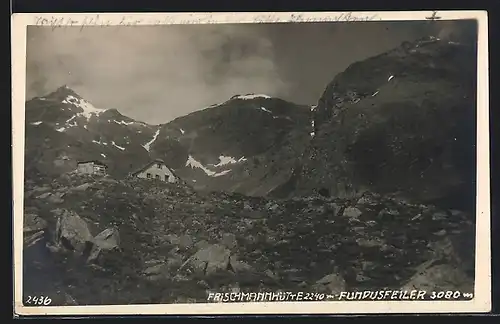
61,94
250,96
67,96
64,90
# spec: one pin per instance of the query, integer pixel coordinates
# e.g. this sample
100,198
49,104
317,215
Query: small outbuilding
92,167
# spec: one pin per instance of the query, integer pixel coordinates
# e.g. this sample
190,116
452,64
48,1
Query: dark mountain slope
245,144
401,123
63,128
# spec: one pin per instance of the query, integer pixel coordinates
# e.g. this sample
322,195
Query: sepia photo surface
251,163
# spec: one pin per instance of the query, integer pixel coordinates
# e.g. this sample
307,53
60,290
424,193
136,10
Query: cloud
464,31
153,73
157,73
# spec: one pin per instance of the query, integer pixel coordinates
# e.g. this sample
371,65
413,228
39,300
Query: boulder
210,259
441,277
34,228
239,266
155,272
41,189
109,239
229,240
44,195
56,198
367,242
81,187
201,244
183,242
352,212
172,239
72,232
32,238
457,250
33,223
332,283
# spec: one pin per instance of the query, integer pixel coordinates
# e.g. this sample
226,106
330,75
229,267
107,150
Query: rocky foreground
102,241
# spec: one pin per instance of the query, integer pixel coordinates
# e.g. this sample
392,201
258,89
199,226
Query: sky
157,73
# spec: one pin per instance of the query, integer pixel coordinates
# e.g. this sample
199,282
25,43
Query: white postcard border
482,299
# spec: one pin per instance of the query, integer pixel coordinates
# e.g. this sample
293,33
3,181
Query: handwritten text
98,20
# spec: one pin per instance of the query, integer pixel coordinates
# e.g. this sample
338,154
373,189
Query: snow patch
313,107
36,123
252,96
122,122
195,164
117,146
103,155
88,108
373,95
99,142
182,131
266,110
191,162
390,78
72,122
225,160
61,129
148,144
221,173
85,126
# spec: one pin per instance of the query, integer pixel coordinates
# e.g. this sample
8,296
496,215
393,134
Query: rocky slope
399,123
104,241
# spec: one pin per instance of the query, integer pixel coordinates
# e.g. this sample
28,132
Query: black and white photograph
280,160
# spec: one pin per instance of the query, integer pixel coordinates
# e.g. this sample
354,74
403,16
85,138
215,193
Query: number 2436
38,300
